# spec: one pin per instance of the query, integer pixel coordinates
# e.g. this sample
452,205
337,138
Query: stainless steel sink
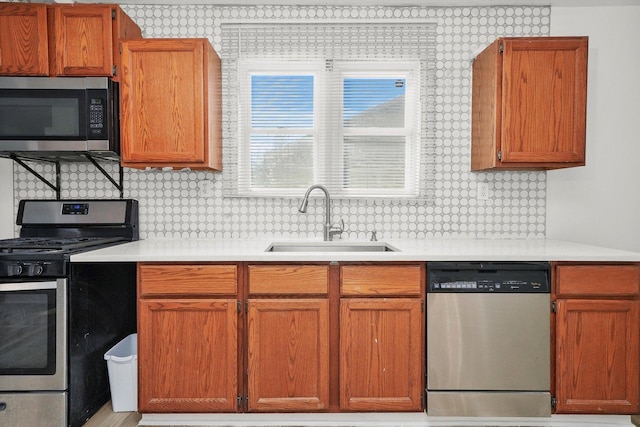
336,246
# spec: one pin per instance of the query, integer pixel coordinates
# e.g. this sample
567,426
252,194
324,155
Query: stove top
43,245
52,230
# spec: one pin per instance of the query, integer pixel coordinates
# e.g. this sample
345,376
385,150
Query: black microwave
59,116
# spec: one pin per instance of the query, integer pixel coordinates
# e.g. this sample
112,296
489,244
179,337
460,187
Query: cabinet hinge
114,70
501,48
113,14
499,154
553,403
553,306
246,306
239,399
422,306
239,306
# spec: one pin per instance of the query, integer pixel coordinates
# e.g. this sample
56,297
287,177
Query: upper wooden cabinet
83,39
170,104
62,39
529,104
23,39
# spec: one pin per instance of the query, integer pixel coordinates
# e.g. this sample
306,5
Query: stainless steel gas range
57,319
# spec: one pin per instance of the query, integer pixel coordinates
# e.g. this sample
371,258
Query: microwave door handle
27,286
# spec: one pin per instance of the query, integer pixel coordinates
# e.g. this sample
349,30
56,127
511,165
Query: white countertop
220,250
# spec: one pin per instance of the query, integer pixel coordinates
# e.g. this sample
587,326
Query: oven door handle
27,286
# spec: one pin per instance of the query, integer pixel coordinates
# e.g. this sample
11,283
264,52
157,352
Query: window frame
328,110
409,71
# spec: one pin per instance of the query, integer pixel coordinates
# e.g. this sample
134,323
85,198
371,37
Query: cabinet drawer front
192,279
598,280
288,279
381,279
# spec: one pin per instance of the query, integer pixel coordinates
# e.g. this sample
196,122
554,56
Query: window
353,126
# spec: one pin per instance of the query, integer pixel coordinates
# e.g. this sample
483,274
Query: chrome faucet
328,229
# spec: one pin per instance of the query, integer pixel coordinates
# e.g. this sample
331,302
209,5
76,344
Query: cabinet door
288,355
23,39
597,360
544,84
168,114
381,354
81,40
187,355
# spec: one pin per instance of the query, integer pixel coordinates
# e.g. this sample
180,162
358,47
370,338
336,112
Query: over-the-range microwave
63,117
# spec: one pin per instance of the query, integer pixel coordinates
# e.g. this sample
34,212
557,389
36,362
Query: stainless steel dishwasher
488,339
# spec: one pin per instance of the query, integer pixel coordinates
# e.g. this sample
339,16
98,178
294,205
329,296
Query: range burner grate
35,244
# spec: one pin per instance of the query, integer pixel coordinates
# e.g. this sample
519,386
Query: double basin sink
333,246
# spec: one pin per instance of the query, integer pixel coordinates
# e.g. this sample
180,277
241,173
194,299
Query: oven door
33,335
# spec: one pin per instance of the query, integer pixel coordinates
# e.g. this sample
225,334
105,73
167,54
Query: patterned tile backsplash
191,204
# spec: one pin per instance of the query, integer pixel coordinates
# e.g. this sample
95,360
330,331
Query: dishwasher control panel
480,277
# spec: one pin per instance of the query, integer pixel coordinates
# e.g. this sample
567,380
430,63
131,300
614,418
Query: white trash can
122,365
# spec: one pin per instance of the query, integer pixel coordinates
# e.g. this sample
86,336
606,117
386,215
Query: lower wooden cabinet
280,338
187,338
381,356
189,354
288,355
287,337
381,337
598,339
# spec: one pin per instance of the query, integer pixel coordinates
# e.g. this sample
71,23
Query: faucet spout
328,229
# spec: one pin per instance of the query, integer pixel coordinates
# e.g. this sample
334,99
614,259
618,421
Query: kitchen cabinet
288,338
170,104
188,337
381,337
83,39
63,39
597,338
280,337
23,39
529,104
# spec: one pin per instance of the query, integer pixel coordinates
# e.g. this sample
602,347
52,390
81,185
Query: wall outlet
205,188
483,191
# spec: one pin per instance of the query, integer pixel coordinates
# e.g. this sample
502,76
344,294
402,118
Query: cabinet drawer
598,280
381,279
288,279
187,279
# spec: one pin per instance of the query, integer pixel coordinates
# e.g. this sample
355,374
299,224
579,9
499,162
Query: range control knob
35,269
15,270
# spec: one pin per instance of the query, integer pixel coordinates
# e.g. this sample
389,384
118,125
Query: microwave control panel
97,114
